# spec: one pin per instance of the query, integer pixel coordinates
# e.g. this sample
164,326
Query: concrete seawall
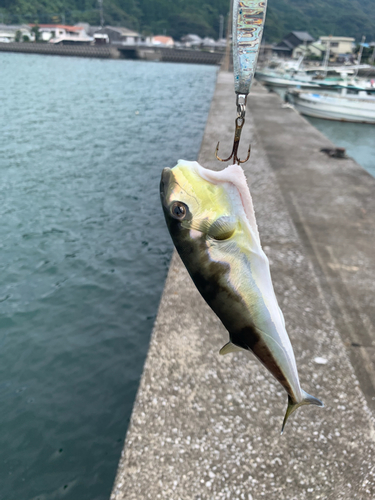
101,52
117,52
177,55
208,427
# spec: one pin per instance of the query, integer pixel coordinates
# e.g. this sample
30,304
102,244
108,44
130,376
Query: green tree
37,35
366,53
179,17
18,35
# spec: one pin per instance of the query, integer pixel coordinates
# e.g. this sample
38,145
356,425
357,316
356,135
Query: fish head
193,204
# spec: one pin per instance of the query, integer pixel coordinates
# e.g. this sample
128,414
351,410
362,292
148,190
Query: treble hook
239,122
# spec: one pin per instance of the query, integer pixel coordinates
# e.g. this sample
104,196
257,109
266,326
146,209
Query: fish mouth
164,183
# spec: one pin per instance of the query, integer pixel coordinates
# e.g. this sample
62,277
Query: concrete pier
208,427
96,51
140,52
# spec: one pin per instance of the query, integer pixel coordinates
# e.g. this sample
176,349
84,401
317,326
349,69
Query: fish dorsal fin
229,348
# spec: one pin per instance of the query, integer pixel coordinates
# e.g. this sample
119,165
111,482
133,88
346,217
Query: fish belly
248,308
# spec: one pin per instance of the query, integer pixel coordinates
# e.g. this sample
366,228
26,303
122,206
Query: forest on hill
180,17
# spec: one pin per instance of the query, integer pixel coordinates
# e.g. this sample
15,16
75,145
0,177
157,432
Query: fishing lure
248,21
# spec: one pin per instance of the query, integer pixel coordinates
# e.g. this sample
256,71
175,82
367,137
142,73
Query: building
63,34
291,41
340,49
209,43
191,40
101,38
120,36
316,49
338,44
12,33
166,41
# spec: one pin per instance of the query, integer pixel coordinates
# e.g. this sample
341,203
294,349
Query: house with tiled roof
291,41
119,35
166,41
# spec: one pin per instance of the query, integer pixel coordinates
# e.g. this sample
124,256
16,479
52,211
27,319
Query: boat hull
279,81
346,109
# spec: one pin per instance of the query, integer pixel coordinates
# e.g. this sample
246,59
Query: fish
211,219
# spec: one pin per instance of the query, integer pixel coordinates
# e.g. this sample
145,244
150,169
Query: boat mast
326,57
373,55
361,49
360,55
302,57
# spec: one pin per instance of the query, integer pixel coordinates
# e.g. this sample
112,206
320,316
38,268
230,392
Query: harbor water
84,255
357,138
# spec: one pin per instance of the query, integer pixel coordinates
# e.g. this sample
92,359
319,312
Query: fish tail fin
293,406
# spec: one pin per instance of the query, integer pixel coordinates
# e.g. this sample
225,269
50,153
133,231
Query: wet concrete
208,427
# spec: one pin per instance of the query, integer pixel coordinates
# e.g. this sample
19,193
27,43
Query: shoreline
161,54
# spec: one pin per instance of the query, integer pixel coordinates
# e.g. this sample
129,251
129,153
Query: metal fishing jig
248,21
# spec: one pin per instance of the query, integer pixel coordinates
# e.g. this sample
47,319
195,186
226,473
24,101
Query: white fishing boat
331,79
358,108
285,80
285,74
280,75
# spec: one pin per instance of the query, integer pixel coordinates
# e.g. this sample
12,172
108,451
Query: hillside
321,17
179,17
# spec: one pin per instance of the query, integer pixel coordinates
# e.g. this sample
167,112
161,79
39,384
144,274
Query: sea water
357,138
84,253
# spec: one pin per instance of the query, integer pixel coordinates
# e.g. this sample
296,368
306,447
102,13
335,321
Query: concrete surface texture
100,51
116,52
206,426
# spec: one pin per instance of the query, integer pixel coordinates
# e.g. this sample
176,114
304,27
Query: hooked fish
211,219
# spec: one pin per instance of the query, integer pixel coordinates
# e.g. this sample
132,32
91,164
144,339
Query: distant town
342,50
84,34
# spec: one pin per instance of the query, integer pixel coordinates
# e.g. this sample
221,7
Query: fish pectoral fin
229,347
202,225
222,228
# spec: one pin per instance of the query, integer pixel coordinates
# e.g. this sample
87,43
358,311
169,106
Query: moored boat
281,75
358,108
285,80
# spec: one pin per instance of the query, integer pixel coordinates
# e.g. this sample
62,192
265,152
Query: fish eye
178,210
